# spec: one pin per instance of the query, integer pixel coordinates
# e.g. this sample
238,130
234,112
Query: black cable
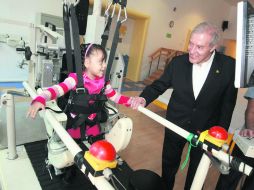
111,109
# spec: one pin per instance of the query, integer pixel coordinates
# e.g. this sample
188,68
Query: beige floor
144,150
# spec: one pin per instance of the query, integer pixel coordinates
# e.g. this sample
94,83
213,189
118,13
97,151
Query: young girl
94,57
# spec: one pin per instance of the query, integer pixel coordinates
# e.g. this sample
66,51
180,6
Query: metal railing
168,54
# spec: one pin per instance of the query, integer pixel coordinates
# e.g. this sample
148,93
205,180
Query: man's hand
247,133
137,101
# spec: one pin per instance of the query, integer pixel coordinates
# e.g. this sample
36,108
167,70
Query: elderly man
203,96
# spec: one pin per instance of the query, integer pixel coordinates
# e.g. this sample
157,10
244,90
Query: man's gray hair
209,28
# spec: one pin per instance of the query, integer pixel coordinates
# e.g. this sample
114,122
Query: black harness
82,105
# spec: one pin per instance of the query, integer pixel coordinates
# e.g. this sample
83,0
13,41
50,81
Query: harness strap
83,132
82,122
113,51
76,44
105,34
67,35
82,12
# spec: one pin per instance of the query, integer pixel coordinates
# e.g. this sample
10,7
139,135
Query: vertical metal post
159,61
201,173
8,101
150,67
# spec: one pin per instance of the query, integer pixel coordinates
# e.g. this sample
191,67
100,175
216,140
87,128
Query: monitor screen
244,75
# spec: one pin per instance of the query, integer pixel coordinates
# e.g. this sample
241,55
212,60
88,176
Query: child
94,57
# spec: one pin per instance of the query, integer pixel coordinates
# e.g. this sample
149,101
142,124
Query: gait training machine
99,161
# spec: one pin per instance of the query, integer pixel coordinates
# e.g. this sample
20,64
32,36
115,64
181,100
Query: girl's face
95,64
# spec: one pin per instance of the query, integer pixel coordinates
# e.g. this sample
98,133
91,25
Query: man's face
199,48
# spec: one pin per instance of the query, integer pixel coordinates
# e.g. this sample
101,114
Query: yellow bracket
204,136
99,165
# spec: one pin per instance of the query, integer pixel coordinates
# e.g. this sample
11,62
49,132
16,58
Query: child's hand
137,101
34,108
247,133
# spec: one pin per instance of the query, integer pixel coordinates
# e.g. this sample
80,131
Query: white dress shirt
199,74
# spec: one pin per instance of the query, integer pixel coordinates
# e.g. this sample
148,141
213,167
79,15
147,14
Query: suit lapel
212,81
189,80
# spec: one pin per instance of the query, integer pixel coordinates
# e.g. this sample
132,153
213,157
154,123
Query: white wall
188,14
25,10
10,69
124,46
18,18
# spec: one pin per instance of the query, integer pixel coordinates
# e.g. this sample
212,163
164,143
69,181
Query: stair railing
167,53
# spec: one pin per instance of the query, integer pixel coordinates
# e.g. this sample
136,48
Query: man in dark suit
203,96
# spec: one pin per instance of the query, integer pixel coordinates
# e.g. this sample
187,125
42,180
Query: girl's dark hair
88,49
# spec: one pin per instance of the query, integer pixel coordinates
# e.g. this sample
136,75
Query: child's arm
132,102
50,94
56,91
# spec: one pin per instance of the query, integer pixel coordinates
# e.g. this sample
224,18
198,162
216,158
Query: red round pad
103,150
218,133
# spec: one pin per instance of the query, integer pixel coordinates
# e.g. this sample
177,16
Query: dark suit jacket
215,102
